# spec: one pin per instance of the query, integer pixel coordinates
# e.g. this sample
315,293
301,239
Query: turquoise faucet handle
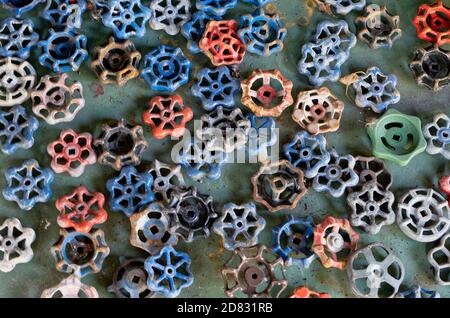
397,137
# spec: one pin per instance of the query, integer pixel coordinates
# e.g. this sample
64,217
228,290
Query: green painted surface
28,280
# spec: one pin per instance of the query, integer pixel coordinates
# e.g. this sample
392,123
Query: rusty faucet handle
334,241
267,93
377,27
278,185
255,272
116,62
318,111
431,67
120,144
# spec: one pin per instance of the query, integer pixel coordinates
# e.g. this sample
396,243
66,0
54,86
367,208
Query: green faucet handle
397,137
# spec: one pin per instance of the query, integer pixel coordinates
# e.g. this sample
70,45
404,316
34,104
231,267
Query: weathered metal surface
104,103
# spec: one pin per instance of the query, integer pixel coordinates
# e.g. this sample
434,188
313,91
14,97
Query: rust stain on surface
217,255
303,20
96,89
310,6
